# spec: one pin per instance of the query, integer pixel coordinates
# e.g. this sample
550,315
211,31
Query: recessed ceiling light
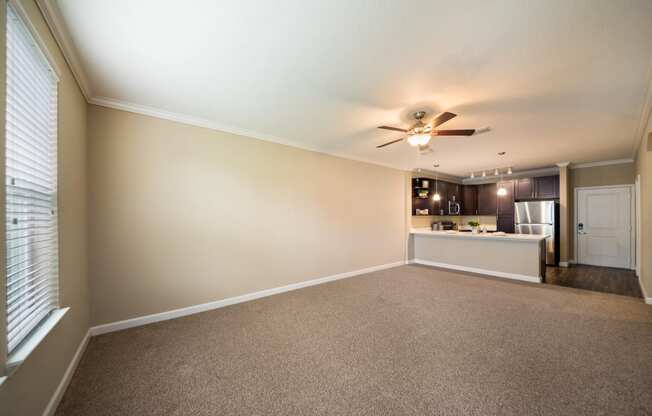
501,153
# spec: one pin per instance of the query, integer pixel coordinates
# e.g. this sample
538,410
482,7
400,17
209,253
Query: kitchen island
512,256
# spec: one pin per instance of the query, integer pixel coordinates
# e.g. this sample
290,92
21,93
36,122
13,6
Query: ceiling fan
420,133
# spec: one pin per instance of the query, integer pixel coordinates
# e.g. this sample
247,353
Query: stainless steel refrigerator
538,217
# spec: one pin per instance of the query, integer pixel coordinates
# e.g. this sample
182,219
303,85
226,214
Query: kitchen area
493,226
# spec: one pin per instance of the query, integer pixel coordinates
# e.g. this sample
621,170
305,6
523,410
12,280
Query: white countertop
485,236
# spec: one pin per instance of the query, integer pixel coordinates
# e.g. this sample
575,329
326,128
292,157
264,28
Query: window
31,275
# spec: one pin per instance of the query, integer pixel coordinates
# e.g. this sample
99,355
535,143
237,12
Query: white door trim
637,218
632,262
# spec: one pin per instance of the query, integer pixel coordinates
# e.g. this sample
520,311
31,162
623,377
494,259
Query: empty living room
291,207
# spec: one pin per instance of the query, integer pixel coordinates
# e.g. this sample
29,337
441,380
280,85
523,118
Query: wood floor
600,279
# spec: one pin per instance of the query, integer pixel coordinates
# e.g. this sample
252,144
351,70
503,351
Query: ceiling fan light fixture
419,139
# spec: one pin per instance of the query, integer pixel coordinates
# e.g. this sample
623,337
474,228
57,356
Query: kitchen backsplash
425,221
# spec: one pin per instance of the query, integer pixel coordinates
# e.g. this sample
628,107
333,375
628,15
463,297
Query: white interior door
604,226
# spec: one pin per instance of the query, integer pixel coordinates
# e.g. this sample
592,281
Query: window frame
10,361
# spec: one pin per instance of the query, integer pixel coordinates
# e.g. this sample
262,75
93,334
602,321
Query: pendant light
436,196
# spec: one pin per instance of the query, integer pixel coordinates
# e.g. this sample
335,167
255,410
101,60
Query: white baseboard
564,263
647,299
190,310
67,376
506,275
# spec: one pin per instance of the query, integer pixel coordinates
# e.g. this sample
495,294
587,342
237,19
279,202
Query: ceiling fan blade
467,132
392,128
441,119
392,142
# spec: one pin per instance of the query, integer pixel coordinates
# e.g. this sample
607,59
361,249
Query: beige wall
643,168
184,215
29,389
621,174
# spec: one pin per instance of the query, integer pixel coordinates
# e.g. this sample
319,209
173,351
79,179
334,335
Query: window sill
23,351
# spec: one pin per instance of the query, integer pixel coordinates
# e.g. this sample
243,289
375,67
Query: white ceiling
555,80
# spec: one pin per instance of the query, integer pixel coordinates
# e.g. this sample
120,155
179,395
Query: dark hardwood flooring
600,279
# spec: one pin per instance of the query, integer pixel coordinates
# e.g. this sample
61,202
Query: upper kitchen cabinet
440,207
505,218
487,199
524,188
453,199
469,200
546,187
506,202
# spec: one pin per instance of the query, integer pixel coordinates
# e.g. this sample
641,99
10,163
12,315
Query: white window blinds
31,184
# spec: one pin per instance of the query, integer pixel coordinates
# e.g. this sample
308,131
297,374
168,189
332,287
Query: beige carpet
405,341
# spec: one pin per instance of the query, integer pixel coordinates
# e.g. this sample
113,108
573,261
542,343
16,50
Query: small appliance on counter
443,225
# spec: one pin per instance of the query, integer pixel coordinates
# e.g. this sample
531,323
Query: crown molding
207,124
54,19
602,163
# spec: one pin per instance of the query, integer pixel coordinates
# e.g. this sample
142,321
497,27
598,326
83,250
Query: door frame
632,219
637,208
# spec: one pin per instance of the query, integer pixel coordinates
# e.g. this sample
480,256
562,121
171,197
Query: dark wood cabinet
505,205
454,192
505,223
524,188
454,196
482,199
506,202
546,187
441,188
487,199
469,200
543,187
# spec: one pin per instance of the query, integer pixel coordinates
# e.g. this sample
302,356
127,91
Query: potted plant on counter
475,226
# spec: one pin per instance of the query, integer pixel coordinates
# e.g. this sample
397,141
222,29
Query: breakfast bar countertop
485,236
